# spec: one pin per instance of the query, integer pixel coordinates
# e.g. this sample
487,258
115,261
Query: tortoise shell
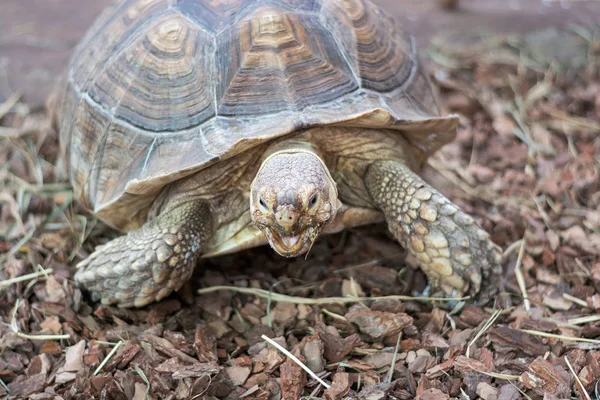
160,89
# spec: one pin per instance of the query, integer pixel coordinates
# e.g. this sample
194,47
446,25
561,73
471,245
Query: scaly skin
451,248
149,263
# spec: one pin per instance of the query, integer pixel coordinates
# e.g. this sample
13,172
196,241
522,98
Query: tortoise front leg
149,263
451,248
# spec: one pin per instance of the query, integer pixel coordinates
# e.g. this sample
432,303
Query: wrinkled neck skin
292,198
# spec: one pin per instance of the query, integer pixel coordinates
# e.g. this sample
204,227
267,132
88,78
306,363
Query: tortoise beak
290,245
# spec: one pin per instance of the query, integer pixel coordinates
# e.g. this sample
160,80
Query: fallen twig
34,275
584,320
108,357
295,359
391,372
561,337
574,299
496,375
520,277
324,300
15,328
485,327
581,388
12,99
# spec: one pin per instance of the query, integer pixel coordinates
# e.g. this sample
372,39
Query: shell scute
213,15
162,83
378,50
110,35
217,15
276,60
83,150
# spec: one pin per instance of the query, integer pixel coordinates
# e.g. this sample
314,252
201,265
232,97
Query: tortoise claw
149,263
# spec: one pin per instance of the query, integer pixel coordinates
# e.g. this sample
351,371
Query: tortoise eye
313,200
263,204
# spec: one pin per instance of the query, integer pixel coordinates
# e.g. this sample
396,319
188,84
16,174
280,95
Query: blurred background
36,36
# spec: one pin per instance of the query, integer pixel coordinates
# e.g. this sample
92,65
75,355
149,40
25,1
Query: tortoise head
292,199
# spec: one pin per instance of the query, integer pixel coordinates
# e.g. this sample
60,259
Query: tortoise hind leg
149,263
451,248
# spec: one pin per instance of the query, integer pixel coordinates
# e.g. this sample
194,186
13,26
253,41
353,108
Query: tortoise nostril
286,217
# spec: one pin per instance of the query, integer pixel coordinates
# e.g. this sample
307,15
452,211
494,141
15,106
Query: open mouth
289,245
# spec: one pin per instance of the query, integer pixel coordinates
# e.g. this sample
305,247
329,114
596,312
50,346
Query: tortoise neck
292,145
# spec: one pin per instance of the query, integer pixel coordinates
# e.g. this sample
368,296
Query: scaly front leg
149,263
451,248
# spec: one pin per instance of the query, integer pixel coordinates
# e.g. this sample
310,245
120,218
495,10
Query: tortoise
203,127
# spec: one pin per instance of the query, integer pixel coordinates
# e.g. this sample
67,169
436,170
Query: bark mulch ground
525,164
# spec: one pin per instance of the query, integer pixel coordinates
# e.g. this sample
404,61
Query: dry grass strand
324,300
295,359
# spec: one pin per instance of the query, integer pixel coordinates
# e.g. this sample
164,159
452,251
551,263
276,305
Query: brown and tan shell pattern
158,89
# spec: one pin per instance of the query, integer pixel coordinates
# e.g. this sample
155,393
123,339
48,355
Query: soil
524,78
